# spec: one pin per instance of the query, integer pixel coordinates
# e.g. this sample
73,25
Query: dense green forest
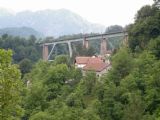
58,91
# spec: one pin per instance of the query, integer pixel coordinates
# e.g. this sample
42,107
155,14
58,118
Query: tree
41,116
114,29
154,47
56,77
145,28
90,51
157,3
35,100
144,12
121,65
10,87
135,109
74,100
62,59
22,48
89,82
25,66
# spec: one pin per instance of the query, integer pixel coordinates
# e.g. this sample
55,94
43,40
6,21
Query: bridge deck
100,36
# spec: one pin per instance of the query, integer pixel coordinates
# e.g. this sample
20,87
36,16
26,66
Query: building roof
82,60
93,60
97,67
92,63
85,60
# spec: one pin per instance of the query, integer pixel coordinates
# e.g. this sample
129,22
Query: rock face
49,22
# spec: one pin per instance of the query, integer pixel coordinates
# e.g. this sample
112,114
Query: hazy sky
106,12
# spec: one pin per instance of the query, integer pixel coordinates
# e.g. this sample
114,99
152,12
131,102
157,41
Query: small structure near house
108,53
97,64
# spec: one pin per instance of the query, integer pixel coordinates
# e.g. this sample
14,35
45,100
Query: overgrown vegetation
58,91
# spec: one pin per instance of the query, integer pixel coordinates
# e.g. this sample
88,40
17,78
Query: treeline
23,48
26,51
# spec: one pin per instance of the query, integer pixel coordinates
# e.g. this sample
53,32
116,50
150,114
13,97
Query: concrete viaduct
46,54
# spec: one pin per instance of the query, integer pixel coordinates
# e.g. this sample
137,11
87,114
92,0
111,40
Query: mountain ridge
50,22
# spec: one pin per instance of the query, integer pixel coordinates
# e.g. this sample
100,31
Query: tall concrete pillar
125,41
85,43
45,52
70,49
103,46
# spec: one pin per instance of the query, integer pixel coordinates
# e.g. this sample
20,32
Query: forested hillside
20,31
57,90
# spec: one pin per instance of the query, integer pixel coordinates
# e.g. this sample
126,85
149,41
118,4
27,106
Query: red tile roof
82,60
85,60
97,67
94,60
92,63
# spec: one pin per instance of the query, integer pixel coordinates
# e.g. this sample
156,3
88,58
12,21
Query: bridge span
85,39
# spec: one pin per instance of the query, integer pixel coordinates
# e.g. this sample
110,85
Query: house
99,68
94,63
80,62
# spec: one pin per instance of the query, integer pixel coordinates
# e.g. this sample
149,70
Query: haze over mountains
20,31
48,22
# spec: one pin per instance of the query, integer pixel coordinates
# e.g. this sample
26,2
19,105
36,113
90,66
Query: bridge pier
103,46
70,49
45,52
85,43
